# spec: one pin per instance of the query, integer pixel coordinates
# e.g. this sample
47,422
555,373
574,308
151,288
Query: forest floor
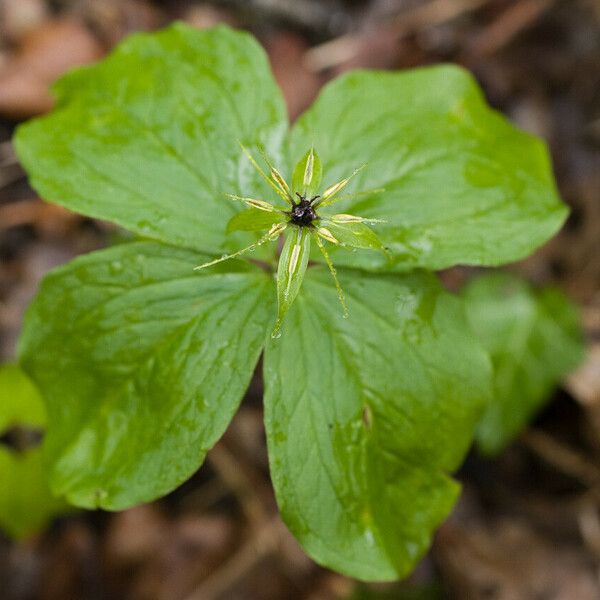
528,524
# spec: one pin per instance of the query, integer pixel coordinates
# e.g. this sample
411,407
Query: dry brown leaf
17,17
42,56
300,86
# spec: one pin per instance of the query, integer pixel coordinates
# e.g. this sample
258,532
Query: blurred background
527,526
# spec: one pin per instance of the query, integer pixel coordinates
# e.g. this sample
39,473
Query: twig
34,212
346,47
263,541
236,479
265,530
314,15
10,173
584,383
24,212
511,22
589,525
7,154
205,496
562,457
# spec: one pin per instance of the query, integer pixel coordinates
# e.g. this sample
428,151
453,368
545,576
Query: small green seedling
143,351
26,503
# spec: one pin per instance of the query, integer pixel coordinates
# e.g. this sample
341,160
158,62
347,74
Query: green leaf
355,235
20,402
254,219
26,503
290,272
149,138
308,174
143,362
534,339
367,416
462,185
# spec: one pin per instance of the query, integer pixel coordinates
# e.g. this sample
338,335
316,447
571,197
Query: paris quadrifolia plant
374,383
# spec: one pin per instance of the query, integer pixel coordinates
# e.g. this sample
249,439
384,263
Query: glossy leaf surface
462,185
143,362
367,416
149,138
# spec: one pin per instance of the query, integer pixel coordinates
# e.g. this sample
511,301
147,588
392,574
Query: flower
302,221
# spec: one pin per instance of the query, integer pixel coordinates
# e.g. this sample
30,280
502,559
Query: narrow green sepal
331,194
273,233
308,174
276,177
254,219
290,272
